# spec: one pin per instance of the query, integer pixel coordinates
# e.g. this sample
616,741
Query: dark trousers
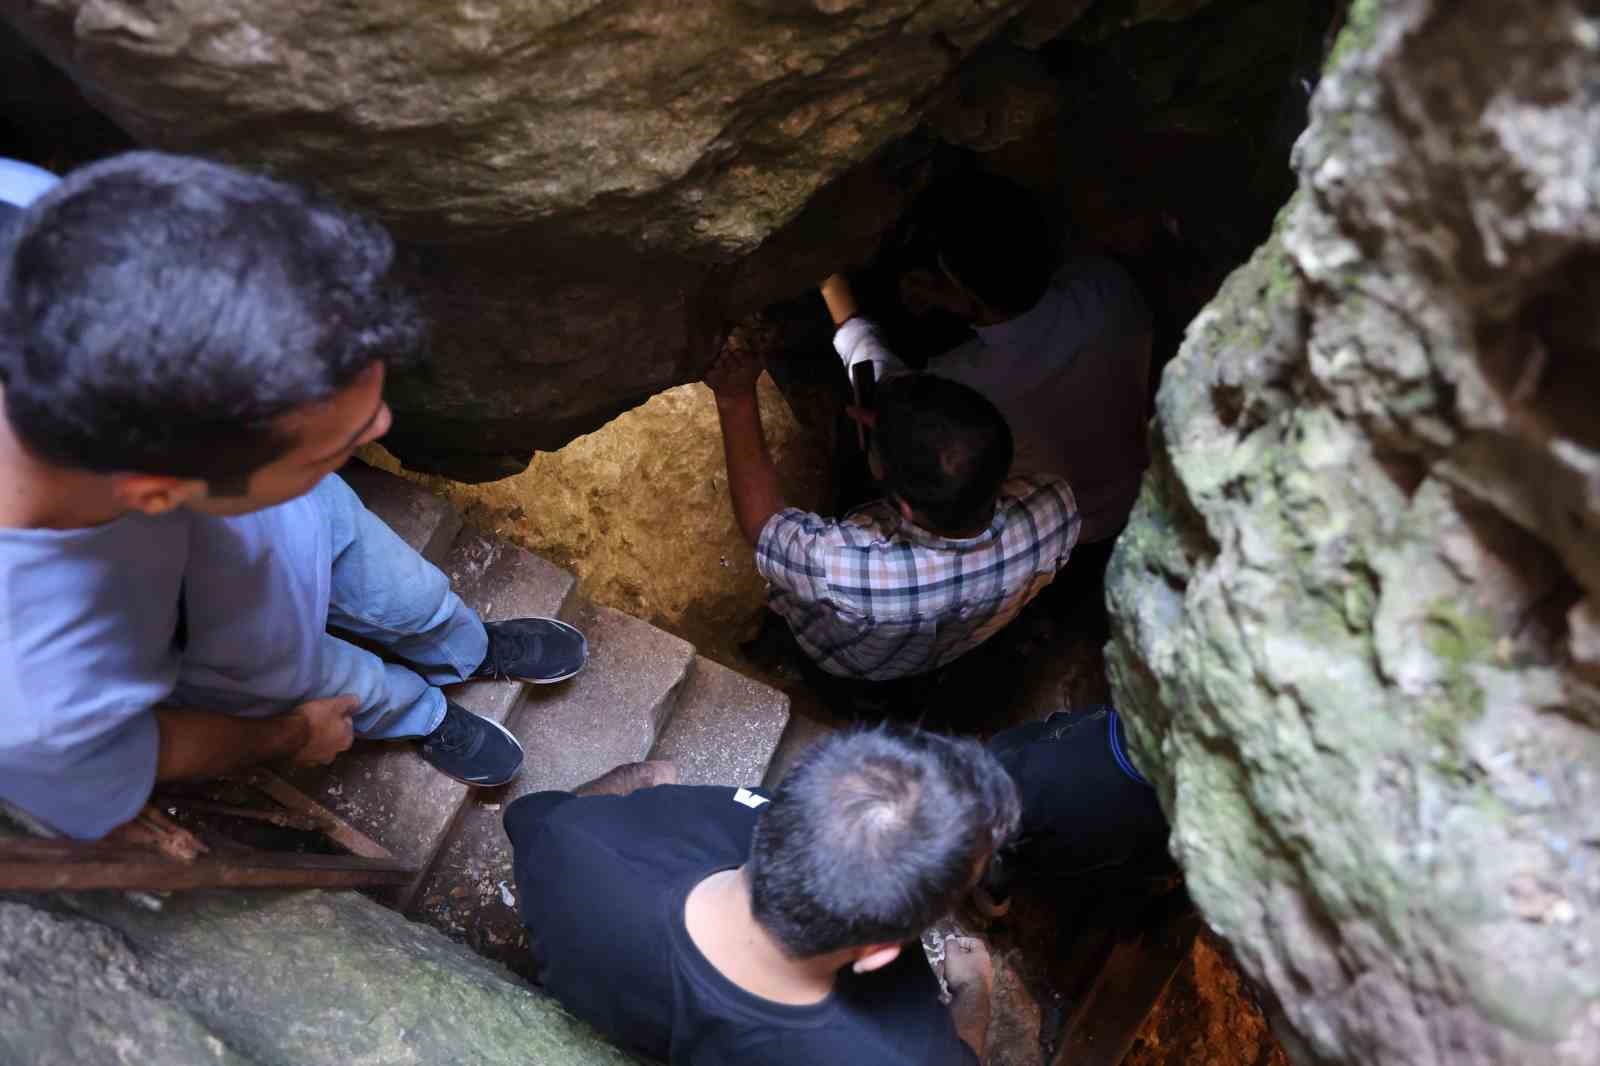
1083,819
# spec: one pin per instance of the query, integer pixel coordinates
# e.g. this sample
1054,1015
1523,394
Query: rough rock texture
1354,614
72,992
640,512
589,189
571,171
310,978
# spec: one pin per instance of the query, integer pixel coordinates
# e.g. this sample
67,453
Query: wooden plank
31,865
1131,978
335,828
280,818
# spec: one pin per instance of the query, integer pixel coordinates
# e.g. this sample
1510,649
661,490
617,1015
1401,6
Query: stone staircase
644,694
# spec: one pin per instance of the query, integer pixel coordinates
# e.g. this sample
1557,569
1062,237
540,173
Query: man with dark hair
1063,353
717,925
906,584
187,353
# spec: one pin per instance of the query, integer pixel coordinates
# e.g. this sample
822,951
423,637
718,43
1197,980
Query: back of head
944,448
991,235
158,314
874,834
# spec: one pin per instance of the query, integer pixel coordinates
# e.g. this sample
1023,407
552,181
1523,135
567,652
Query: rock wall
1357,611
590,189
252,979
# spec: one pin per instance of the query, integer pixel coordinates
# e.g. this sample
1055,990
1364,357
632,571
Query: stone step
725,728
801,732
383,788
426,522
610,714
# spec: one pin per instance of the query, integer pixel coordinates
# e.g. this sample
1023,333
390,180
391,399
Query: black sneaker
540,651
472,749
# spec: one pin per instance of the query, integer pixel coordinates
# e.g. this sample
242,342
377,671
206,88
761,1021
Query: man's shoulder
1104,286
1031,492
648,820
857,1042
797,545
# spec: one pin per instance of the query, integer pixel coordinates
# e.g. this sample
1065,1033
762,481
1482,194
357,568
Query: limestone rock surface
240,979
572,174
1354,610
589,190
73,992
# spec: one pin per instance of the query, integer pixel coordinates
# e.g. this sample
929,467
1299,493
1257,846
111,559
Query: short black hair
991,234
944,447
873,835
158,313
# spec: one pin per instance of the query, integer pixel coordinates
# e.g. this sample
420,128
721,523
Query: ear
875,957
907,512
155,494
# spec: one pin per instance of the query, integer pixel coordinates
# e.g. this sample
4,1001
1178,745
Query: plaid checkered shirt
875,597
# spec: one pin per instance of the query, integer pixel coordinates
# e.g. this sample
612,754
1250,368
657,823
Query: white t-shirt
1071,376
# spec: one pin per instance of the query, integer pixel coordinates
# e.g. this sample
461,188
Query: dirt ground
1207,1017
639,511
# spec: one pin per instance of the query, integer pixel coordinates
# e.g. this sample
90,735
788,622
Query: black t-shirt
603,881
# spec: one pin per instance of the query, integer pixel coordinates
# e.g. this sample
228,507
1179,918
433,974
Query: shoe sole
574,672
509,735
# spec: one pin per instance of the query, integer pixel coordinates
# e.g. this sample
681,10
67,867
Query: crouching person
1091,822
187,353
715,925
906,585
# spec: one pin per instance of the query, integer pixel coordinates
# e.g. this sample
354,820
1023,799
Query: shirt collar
895,524
1024,330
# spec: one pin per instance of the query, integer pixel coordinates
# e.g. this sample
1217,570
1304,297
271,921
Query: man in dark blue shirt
719,925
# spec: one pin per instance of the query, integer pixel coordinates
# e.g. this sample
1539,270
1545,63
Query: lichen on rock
1349,610
237,979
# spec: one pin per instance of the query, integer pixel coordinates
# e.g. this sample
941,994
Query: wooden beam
333,827
32,865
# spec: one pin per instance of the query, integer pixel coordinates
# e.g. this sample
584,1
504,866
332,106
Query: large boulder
239,979
591,189
576,177
1357,610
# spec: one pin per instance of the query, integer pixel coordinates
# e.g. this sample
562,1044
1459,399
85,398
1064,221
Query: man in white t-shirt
1064,353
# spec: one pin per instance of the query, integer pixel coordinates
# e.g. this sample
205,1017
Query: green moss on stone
1360,31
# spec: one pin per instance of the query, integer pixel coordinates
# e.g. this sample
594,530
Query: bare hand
330,729
967,966
969,973
736,368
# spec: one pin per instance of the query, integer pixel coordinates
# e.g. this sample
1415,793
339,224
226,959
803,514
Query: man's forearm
752,479
969,1009
206,744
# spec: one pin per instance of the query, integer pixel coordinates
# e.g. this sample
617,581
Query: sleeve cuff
857,341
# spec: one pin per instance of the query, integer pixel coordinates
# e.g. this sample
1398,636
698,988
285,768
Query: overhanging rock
1355,609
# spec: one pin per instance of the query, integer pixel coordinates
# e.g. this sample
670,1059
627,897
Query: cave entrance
1163,144
1165,147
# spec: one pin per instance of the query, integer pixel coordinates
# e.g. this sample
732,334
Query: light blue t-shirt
87,621
90,620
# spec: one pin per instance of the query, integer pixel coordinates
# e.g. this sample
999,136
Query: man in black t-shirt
702,926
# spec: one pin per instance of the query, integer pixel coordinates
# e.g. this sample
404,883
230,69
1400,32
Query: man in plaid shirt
909,583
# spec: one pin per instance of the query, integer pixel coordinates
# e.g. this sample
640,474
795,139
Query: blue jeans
385,593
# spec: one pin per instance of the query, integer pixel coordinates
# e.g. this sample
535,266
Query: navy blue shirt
603,881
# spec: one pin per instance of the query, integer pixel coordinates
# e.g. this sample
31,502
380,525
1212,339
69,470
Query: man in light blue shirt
187,353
